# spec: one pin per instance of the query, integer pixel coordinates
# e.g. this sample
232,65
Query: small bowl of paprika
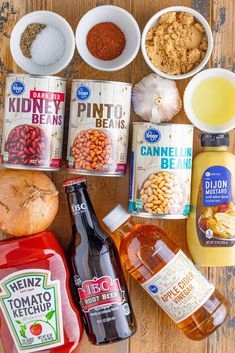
108,38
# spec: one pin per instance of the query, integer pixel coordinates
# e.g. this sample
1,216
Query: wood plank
79,69
224,56
156,332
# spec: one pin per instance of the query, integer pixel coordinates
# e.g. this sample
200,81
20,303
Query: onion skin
28,202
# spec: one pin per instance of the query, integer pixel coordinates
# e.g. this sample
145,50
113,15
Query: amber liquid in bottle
108,316
144,251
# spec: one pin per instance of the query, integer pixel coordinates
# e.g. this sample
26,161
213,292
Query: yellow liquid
213,101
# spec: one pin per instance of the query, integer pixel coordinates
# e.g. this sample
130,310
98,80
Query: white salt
48,46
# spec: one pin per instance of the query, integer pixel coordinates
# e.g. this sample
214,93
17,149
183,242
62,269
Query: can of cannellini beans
99,127
33,122
161,170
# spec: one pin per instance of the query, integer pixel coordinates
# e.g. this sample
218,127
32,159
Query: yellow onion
28,202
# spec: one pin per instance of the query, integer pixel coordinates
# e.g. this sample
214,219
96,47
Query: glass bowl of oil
209,100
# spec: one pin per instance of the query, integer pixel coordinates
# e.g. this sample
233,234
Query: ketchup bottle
37,311
98,273
168,276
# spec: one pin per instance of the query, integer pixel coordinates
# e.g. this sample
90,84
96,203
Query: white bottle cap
116,218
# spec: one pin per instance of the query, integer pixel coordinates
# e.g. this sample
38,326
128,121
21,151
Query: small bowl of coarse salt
42,43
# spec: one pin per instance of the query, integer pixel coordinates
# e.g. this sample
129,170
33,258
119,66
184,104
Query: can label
98,127
33,122
179,288
99,292
31,304
161,169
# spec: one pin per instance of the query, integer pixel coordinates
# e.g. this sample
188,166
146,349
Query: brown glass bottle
152,258
97,271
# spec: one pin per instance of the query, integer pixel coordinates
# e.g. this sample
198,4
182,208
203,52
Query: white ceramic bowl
153,21
124,20
188,93
47,18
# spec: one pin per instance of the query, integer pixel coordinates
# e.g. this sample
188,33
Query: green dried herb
28,36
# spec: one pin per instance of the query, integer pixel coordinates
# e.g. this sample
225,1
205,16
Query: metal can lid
36,76
74,181
103,81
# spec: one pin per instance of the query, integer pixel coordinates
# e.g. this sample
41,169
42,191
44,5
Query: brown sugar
177,43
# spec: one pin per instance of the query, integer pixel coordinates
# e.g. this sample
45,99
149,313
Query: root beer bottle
98,275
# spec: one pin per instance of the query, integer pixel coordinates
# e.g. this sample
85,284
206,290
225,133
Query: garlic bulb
156,99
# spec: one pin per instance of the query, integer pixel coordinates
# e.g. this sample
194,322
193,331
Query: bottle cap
116,218
214,140
74,181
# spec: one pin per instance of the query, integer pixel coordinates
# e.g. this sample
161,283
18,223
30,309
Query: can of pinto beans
99,127
161,170
33,122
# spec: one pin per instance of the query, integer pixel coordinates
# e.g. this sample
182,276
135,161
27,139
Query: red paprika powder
106,41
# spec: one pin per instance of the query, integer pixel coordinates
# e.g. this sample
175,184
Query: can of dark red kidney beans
33,122
99,127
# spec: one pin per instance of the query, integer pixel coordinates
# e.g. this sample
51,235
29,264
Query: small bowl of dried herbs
42,43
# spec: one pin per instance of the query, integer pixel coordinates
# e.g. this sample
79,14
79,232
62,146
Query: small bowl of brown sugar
177,42
108,38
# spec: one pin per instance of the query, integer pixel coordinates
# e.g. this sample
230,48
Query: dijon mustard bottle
211,223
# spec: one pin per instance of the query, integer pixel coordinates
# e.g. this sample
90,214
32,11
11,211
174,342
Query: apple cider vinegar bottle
168,276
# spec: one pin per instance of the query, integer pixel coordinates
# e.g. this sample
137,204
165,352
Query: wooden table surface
156,332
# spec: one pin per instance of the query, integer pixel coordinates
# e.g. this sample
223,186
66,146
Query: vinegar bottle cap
116,218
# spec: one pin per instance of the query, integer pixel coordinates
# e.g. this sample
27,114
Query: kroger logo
153,288
83,93
17,88
152,135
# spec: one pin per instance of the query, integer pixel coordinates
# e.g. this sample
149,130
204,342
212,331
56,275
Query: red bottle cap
74,181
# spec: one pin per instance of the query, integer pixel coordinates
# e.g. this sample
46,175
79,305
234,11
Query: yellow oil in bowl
213,101
209,100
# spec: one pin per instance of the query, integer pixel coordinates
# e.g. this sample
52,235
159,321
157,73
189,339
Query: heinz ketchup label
99,292
31,304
